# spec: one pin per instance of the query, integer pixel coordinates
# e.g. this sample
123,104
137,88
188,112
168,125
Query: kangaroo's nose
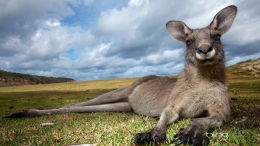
204,49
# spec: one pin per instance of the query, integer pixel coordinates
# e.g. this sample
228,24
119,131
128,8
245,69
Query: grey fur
199,92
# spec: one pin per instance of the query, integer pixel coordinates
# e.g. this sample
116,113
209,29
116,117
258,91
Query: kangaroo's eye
189,42
216,37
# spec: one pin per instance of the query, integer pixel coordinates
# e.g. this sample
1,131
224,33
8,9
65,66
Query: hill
18,79
248,68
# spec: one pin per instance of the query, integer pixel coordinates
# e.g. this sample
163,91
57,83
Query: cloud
20,20
97,39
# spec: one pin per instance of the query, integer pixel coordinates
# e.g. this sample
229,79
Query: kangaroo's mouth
206,57
206,60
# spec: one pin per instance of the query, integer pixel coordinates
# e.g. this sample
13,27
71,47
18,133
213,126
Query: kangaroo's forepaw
152,135
188,136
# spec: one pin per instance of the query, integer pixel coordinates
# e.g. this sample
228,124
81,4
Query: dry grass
73,86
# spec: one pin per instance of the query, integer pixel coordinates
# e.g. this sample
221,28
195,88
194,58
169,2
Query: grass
113,128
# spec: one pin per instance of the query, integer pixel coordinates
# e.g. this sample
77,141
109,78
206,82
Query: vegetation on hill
16,79
248,68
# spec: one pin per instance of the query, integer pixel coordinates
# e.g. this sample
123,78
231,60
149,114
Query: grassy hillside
16,79
249,68
114,128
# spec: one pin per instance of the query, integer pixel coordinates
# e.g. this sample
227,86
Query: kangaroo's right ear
178,30
224,19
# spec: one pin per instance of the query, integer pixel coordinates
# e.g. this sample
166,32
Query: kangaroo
199,92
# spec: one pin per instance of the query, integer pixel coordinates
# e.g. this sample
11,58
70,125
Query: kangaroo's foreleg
113,107
195,132
158,133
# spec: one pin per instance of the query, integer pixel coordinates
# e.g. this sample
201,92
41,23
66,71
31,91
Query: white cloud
138,3
249,33
52,22
13,44
164,57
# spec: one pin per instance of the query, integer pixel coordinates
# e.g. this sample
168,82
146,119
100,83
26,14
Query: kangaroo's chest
194,99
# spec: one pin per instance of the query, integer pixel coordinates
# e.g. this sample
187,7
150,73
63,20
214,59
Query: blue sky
101,39
86,15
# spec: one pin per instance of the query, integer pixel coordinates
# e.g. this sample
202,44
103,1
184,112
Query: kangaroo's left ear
178,30
223,19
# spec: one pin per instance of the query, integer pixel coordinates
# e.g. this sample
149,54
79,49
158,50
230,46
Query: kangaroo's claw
141,138
183,138
156,140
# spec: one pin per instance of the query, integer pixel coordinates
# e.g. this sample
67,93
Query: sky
102,39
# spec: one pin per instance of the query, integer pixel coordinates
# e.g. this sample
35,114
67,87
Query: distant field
73,86
113,128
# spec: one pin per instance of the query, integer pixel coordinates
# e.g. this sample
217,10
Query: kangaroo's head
203,46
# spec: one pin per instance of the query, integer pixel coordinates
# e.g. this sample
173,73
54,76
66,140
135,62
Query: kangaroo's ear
224,19
178,30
